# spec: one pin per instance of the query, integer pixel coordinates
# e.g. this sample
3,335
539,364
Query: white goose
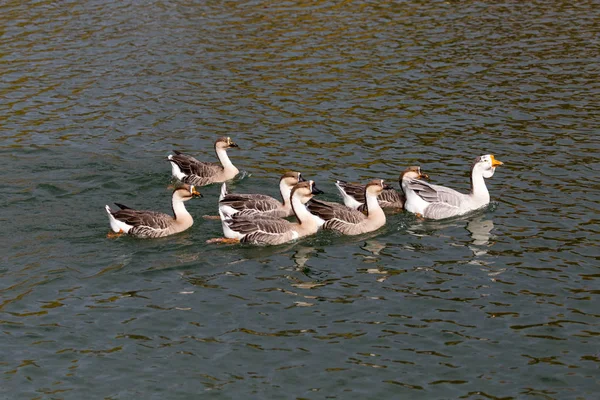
231,203
354,194
152,224
338,217
263,230
439,202
191,171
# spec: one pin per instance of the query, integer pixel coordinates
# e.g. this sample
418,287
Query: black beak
301,179
387,187
233,145
316,191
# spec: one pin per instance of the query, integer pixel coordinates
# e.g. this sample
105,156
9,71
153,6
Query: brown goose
439,202
263,230
152,224
354,194
347,221
231,203
191,171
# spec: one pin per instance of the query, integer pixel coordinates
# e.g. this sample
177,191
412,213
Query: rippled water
502,304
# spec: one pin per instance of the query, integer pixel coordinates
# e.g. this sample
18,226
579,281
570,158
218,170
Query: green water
499,305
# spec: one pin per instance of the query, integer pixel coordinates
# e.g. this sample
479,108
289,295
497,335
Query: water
501,304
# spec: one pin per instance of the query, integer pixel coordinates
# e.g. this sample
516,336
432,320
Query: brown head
186,192
224,143
305,191
375,187
413,173
291,178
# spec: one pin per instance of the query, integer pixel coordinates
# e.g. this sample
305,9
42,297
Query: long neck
224,158
285,191
306,221
478,188
373,208
179,211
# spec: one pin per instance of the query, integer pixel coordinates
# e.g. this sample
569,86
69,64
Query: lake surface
499,305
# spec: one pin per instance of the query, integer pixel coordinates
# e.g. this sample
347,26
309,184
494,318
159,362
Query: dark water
503,304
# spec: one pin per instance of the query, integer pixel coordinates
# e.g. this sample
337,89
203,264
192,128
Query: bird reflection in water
480,230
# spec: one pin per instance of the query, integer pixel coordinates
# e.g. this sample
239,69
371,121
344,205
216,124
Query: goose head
375,187
413,172
224,143
186,192
291,178
304,191
487,165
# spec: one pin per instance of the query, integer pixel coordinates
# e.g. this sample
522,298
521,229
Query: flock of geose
261,219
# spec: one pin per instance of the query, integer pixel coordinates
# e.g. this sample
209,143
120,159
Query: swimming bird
438,202
268,230
152,224
338,217
191,171
231,203
354,194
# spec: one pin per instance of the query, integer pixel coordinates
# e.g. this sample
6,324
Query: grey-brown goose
191,171
269,230
439,202
354,194
152,224
231,203
347,221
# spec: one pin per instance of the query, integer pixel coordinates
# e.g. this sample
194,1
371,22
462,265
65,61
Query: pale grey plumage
439,202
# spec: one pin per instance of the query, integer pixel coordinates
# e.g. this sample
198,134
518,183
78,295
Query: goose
269,230
231,203
152,224
439,202
338,217
354,194
193,172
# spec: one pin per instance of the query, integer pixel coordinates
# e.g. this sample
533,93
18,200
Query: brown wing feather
328,211
391,198
259,204
191,166
246,224
355,190
136,218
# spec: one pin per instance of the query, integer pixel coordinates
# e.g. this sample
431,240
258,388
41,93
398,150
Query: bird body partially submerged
191,171
152,224
439,202
269,230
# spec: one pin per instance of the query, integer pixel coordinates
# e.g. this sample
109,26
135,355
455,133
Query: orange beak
496,163
195,192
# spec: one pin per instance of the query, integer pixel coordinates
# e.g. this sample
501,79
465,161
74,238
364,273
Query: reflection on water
480,229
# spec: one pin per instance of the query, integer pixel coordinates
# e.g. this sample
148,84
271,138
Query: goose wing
391,198
257,203
138,218
328,211
259,229
191,166
353,190
435,193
